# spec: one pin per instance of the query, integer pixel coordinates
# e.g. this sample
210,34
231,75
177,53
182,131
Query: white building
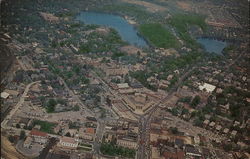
207,87
68,142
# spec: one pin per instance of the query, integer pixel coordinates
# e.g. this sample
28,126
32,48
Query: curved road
20,103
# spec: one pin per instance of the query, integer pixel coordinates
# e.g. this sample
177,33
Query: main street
144,143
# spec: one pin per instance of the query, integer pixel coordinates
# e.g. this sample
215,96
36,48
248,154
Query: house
136,84
12,93
233,133
226,130
37,127
192,151
87,136
218,127
90,131
38,136
207,87
206,122
4,95
123,86
68,142
212,124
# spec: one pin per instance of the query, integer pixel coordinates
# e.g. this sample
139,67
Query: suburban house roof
90,130
4,95
123,85
208,87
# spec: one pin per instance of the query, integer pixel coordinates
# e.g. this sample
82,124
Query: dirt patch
129,49
8,151
184,5
49,17
150,6
101,30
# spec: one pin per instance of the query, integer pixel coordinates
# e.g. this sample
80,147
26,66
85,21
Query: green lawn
85,145
158,35
45,126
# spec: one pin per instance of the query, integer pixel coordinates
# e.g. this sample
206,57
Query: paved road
98,137
20,103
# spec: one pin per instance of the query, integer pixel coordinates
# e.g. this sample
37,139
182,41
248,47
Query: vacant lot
149,6
158,35
184,5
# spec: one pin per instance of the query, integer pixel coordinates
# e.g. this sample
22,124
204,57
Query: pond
125,30
212,45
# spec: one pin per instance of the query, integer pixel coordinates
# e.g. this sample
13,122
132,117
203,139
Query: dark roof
179,142
191,149
91,118
136,85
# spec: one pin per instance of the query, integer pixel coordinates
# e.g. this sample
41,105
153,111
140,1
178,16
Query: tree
68,134
174,111
76,69
174,130
11,139
19,76
22,135
195,101
138,53
18,126
76,108
51,105
184,111
198,122
227,147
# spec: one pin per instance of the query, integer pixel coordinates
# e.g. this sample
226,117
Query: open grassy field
158,35
45,126
181,22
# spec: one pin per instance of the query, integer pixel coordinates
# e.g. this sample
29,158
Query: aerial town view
125,79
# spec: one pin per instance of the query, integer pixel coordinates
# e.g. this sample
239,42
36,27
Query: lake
212,45
125,30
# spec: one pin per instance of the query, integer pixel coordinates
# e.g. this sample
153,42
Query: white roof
4,95
122,85
209,88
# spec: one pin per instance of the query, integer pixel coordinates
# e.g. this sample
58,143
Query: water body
126,30
212,45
